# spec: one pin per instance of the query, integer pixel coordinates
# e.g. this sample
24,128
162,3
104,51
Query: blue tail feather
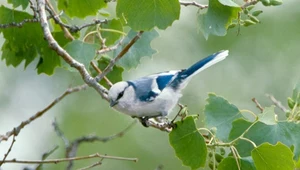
195,68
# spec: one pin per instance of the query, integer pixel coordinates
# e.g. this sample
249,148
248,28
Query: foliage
233,141
260,143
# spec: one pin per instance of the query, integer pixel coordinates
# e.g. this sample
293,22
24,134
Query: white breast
160,106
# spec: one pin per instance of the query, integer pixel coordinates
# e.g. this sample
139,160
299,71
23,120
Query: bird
156,95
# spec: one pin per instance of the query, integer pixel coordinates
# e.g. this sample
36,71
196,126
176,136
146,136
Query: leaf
110,36
218,17
220,113
140,49
23,44
80,8
48,57
228,3
145,15
188,143
114,76
275,157
17,3
268,116
82,52
285,132
246,163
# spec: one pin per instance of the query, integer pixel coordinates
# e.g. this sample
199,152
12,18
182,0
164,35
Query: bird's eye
120,95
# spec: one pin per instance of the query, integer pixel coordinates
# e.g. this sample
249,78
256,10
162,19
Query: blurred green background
263,59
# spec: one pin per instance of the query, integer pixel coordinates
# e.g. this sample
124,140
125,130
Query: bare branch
8,151
258,105
161,126
66,56
108,49
56,161
277,103
45,156
193,3
19,24
72,147
73,28
57,19
17,129
119,56
108,82
33,8
91,166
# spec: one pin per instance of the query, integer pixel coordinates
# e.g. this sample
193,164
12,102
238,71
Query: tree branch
193,3
56,161
258,105
277,103
66,56
8,151
72,147
119,56
17,129
52,12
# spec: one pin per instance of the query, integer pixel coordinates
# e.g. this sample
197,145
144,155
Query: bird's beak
113,103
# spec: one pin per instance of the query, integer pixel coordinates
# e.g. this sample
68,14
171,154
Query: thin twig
119,56
21,23
17,129
277,103
8,151
91,166
258,105
73,28
57,19
45,156
108,49
56,161
193,3
33,8
108,82
72,147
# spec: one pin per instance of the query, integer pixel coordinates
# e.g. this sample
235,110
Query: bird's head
116,92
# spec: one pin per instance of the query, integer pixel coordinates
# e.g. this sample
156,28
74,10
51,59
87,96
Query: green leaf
48,57
268,116
140,49
229,3
114,76
220,113
188,143
110,36
17,3
82,52
80,8
23,44
246,163
285,132
218,17
275,157
145,14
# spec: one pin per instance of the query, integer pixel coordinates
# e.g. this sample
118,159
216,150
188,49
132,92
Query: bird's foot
144,121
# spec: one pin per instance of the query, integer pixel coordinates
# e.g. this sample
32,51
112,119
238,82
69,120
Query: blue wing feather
163,81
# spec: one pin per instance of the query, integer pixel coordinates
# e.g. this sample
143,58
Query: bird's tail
186,75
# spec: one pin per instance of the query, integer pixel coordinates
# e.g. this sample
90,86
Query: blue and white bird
157,94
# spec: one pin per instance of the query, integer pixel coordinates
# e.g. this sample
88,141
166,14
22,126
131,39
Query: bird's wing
149,87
